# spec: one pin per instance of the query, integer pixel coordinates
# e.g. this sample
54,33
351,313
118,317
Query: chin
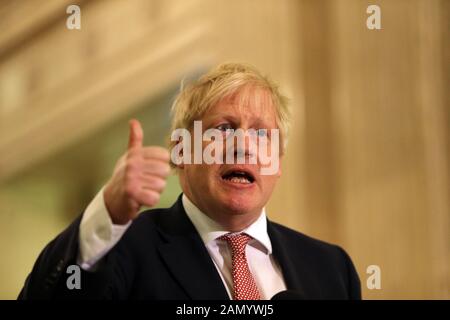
239,204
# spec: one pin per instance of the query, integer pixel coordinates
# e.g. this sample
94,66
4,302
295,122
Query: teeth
239,180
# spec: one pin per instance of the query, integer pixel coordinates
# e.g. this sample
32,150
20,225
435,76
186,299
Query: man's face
233,189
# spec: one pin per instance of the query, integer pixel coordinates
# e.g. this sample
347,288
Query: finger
156,168
147,198
136,134
155,152
153,183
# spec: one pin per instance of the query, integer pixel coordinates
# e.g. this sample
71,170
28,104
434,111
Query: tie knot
236,241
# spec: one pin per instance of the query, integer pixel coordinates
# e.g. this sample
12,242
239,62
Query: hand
138,179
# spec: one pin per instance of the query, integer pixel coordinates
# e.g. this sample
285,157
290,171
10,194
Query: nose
239,153
242,144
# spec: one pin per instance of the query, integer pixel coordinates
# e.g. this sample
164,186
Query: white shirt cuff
97,233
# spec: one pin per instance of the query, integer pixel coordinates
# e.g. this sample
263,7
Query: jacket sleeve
48,279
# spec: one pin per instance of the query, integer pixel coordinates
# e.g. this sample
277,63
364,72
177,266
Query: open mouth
239,176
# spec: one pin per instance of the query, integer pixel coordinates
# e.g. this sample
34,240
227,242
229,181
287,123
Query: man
215,242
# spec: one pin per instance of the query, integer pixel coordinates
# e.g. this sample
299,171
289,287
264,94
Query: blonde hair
194,99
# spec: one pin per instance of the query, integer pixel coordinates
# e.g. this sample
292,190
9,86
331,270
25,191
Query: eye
262,132
224,127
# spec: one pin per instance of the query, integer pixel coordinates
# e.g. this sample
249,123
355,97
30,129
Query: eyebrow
259,122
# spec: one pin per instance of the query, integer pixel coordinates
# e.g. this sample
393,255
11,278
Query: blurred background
368,162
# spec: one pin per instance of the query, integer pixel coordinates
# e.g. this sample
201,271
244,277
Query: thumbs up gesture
138,179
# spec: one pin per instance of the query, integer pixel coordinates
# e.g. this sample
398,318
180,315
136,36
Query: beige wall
368,161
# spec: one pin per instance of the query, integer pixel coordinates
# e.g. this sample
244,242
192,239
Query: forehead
248,103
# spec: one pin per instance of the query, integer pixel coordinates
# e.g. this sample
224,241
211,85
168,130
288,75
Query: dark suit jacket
161,256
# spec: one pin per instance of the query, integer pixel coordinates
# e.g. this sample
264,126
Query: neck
234,222
228,220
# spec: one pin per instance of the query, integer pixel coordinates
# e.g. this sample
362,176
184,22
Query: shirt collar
210,230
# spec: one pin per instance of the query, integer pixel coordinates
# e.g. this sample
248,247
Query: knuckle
153,198
155,183
156,197
165,169
165,153
163,184
159,185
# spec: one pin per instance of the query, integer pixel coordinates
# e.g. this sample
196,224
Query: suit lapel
187,258
292,272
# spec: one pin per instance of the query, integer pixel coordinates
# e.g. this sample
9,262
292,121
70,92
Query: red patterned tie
244,285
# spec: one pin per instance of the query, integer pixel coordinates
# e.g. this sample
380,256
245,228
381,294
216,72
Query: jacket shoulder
326,261
145,229
305,241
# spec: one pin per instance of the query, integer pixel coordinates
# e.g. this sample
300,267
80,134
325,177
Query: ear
177,154
181,165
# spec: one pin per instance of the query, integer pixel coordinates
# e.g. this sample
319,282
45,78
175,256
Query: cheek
201,173
269,182
194,173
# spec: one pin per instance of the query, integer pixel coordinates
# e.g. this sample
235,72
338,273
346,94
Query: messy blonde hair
194,99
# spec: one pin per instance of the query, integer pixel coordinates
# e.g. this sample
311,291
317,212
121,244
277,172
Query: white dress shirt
98,235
